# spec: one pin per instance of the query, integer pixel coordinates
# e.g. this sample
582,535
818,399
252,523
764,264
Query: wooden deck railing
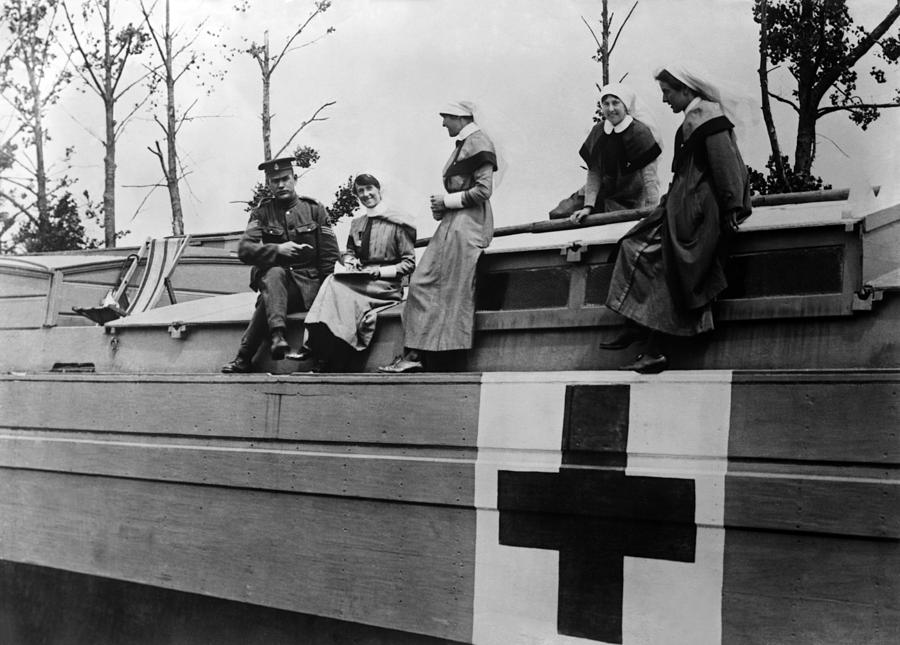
634,214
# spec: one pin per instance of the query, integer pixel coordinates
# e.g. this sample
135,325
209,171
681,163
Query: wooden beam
632,215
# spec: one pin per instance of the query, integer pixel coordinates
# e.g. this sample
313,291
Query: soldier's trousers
278,296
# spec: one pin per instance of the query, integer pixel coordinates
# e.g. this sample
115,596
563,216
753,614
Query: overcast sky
389,66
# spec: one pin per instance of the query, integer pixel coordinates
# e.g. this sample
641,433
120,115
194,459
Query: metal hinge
178,330
573,251
866,297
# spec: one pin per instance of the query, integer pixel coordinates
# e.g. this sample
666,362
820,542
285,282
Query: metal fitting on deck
573,251
178,330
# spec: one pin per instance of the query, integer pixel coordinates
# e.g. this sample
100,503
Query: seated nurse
621,153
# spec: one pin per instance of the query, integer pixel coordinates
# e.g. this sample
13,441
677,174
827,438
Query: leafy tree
345,202
179,56
781,178
104,52
31,81
61,231
820,46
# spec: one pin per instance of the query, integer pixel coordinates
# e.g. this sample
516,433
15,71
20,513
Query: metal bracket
573,251
866,297
178,330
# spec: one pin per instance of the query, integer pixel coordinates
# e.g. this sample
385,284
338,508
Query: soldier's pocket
273,234
305,234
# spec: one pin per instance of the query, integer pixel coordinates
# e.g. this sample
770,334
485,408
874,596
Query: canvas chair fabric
162,256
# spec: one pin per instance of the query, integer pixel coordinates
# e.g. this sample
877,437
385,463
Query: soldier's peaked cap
274,165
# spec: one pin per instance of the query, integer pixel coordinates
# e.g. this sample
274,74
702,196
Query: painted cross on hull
594,514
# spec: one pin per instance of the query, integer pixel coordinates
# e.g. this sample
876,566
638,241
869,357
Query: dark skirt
641,287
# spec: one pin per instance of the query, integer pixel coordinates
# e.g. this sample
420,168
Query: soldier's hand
291,249
437,203
374,272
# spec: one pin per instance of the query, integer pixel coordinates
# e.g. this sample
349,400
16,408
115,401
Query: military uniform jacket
304,221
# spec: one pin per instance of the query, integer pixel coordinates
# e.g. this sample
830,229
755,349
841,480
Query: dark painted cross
594,514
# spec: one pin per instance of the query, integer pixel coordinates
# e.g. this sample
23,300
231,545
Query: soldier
292,247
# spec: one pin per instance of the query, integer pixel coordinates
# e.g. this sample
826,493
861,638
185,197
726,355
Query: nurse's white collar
470,128
379,209
609,128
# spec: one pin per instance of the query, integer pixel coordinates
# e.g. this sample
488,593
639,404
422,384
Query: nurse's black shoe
647,364
402,365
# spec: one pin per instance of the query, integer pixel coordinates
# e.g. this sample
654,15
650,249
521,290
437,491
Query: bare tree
604,48
30,82
777,159
177,59
820,46
304,156
104,53
269,62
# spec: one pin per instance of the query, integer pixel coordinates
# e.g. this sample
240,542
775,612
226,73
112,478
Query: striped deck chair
162,258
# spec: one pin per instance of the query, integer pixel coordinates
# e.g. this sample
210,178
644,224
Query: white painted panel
678,427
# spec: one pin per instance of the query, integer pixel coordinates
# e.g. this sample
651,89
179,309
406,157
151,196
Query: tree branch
593,33
184,116
784,100
313,118
162,162
21,184
85,128
277,59
850,108
140,206
120,126
153,70
828,77
307,43
152,30
126,47
19,207
832,142
97,85
619,30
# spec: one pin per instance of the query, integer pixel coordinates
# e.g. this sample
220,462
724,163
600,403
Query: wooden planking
796,589
863,340
836,505
551,318
23,312
104,275
15,284
402,566
38,349
78,294
42,605
418,410
411,479
846,417
755,621
773,307
211,275
829,437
